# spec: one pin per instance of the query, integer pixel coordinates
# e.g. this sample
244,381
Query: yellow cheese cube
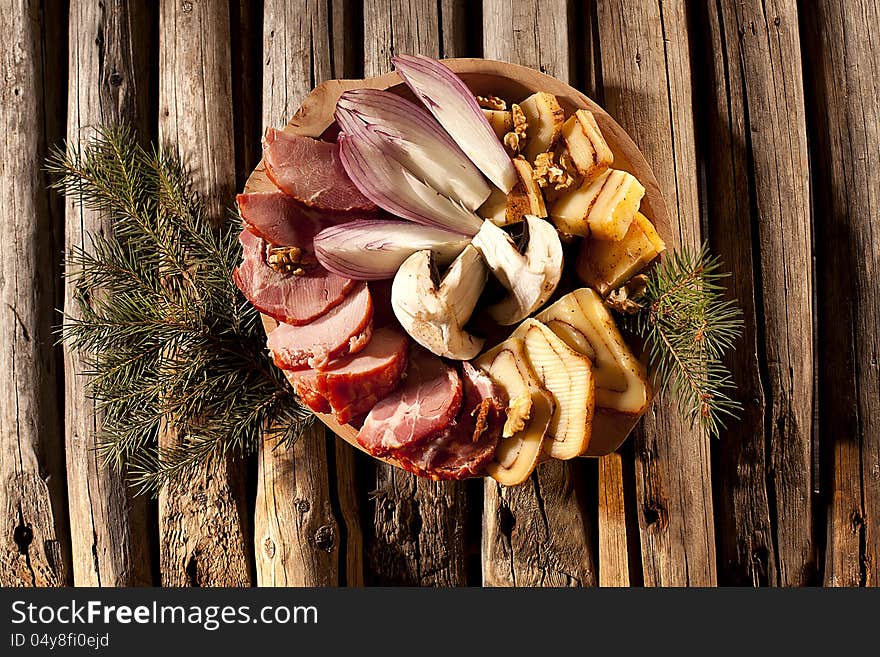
605,266
588,148
544,118
603,208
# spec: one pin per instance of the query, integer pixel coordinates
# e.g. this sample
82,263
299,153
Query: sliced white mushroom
530,277
435,311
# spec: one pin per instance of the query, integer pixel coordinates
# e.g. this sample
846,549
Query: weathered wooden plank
844,67
296,535
35,541
297,54
759,194
616,517
400,26
204,533
298,532
349,506
418,526
538,533
246,22
613,544
647,87
455,41
107,85
531,33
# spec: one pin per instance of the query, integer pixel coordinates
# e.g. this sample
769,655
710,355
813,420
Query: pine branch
170,343
688,327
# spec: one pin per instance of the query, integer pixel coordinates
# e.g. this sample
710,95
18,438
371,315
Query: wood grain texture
538,533
35,537
107,85
529,32
246,25
349,508
612,517
457,35
646,80
759,195
295,483
296,536
417,535
844,68
204,530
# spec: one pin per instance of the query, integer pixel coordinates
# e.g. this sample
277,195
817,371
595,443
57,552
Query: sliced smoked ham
290,298
354,384
282,220
305,385
423,406
467,445
310,170
344,329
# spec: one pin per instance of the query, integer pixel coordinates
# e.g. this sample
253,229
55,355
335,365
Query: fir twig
170,342
688,327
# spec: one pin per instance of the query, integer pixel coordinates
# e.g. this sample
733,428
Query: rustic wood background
761,119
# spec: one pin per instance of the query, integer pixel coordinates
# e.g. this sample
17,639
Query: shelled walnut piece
550,174
289,259
491,103
628,298
515,140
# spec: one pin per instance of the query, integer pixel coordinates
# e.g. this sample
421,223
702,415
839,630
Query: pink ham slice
345,329
468,444
426,404
310,170
290,298
352,385
305,385
282,220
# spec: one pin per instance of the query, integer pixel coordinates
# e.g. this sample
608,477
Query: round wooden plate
514,83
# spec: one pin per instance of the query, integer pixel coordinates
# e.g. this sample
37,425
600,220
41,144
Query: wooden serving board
514,83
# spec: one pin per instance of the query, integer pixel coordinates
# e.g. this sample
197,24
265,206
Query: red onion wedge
454,106
417,141
373,249
384,181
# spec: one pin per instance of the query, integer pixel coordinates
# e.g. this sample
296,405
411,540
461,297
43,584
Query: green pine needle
169,340
688,327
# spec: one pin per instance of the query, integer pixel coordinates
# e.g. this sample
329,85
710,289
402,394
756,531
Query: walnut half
550,175
516,138
289,259
491,102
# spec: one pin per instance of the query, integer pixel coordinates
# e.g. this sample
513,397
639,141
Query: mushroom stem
434,312
530,277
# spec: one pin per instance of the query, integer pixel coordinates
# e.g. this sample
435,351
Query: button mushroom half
434,311
530,276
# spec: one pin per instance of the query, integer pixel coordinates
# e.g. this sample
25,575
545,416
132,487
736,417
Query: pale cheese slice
582,321
568,376
529,412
